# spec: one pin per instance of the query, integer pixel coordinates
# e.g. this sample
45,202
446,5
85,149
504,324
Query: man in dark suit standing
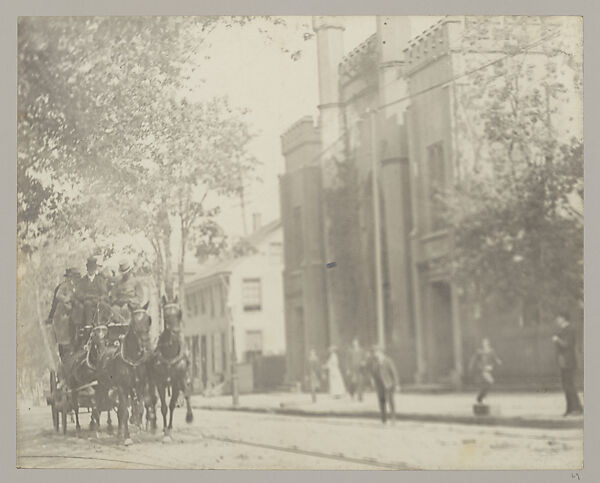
61,312
90,291
564,341
385,379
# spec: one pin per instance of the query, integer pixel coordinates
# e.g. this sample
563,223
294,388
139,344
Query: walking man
385,379
484,361
564,341
356,365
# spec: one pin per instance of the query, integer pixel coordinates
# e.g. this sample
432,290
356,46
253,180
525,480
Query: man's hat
124,266
92,262
70,271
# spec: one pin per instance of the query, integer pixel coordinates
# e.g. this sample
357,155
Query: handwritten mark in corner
331,264
575,476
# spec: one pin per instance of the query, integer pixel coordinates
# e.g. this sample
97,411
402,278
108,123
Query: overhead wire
466,73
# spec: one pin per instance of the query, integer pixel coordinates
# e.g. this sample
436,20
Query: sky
256,71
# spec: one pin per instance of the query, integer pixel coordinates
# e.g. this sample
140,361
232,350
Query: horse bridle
171,305
142,358
138,311
181,355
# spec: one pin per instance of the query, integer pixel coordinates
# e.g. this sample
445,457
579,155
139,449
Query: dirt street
231,440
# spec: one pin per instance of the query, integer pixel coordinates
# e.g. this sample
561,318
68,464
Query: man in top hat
61,311
127,293
385,379
91,291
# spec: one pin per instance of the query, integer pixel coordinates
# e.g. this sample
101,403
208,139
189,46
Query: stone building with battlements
416,84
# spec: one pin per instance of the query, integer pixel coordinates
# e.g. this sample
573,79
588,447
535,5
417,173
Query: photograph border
13,9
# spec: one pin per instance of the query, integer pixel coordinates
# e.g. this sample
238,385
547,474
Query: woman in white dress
336,383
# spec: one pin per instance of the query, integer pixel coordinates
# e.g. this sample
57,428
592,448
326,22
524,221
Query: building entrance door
441,334
299,346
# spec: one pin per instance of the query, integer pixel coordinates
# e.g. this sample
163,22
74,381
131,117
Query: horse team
126,372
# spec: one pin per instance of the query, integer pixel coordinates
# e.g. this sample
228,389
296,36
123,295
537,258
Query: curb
517,422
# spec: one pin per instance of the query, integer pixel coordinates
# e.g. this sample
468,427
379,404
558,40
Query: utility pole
377,229
232,352
243,202
234,375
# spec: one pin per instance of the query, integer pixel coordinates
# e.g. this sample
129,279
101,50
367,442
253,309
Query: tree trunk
181,268
158,272
158,282
180,286
169,289
164,235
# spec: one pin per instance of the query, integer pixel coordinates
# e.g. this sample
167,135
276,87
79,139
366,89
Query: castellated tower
393,34
330,50
306,324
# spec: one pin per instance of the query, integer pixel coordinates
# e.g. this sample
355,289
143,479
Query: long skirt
336,382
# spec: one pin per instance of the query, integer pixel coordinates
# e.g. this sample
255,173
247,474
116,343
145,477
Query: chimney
256,222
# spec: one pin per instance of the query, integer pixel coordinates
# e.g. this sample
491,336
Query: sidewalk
527,410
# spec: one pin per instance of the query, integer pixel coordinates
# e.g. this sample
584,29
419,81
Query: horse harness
120,343
179,357
144,356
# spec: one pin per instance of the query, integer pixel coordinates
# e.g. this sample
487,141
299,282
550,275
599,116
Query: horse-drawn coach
112,365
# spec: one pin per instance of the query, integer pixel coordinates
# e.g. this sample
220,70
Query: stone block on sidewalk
480,409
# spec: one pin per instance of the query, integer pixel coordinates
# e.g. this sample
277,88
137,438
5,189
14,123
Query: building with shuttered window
241,296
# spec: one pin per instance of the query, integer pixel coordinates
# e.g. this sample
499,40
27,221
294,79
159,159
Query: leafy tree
195,150
516,209
89,94
242,248
109,145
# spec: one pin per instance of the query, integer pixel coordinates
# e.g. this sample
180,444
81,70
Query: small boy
484,361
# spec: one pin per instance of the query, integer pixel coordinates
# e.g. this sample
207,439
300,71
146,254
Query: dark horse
76,374
78,367
123,372
170,366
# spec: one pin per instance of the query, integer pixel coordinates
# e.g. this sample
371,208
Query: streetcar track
189,436
96,458
371,462
317,454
